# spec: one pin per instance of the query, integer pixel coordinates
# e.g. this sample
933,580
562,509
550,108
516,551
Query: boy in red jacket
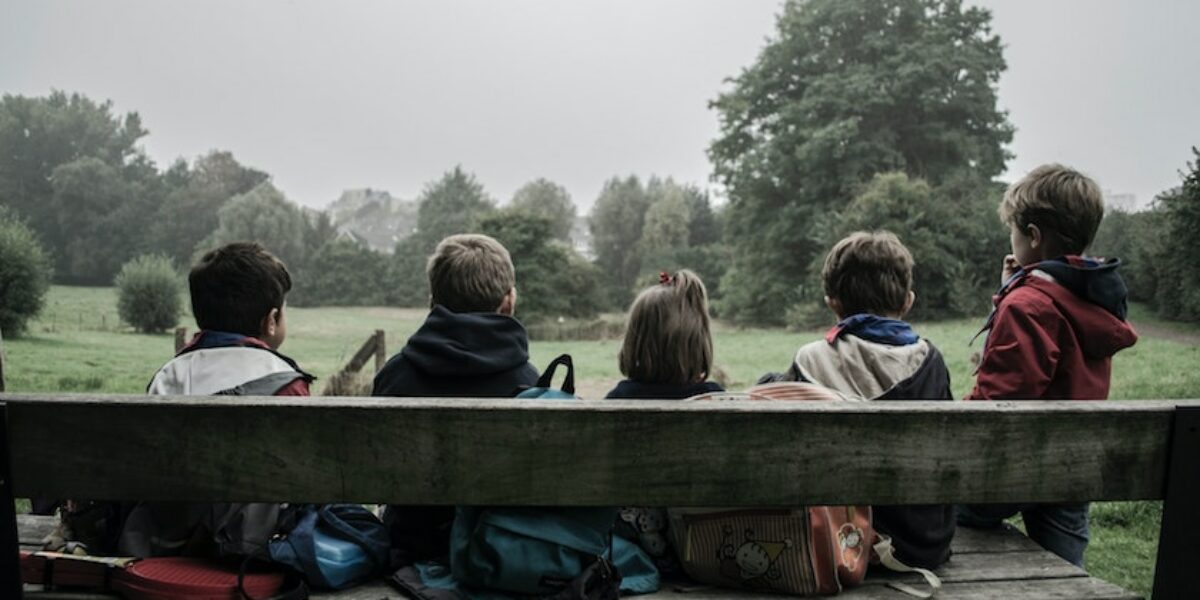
1059,318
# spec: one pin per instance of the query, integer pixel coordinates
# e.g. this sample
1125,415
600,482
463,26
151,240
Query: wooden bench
655,453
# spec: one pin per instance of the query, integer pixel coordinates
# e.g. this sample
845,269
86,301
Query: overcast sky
333,95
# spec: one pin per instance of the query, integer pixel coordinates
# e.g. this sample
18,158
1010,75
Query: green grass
77,345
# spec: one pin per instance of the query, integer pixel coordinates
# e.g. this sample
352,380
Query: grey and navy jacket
873,358
225,364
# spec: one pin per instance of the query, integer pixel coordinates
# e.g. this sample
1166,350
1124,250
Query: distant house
374,217
1123,202
581,237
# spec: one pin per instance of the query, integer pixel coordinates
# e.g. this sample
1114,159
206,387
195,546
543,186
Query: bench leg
10,560
1179,538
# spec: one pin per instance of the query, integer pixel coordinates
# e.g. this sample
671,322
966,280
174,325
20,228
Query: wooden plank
1176,561
991,541
989,567
180,338
32,529
1072,588
380,350
529,452
1,361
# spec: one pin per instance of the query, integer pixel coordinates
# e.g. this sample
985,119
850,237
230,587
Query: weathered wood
380,350
365,353
32,529
1072,588
1007,539
180,338
988,567
526,452
10,561
1177,549
1,361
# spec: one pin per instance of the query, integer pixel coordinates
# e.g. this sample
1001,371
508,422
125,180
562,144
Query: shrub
24,274
149,291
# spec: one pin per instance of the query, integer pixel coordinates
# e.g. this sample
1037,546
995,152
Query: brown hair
667,339
1061,201
868,272
470,272
235,286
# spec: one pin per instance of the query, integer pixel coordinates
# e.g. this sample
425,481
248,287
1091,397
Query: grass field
77,345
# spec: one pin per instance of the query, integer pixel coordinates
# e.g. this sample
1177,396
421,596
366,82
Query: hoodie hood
1093,280
636,390
467,344
873,370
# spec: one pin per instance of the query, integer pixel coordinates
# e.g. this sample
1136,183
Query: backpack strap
887,557
547,377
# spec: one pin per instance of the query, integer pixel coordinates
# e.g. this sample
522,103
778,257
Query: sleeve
1021,353
299,387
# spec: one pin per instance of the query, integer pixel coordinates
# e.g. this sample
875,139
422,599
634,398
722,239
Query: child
667,355
668,352
873,354
1058,320
238,295
469,346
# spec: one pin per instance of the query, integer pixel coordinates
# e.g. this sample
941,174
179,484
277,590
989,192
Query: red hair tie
665,278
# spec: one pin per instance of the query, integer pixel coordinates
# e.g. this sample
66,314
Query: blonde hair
868,272
667,339
1061,201
470,272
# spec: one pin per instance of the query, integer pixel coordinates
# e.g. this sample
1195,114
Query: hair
868,272
470,273
667,339
1061,201
235,286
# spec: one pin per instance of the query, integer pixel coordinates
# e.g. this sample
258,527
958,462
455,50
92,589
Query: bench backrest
657,453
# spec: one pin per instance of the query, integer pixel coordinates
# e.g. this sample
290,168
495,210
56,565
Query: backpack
804,551
334,546
542,388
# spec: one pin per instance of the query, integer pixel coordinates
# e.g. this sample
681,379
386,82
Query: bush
149,291
24,274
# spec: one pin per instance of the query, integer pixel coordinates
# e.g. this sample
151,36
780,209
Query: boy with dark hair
469,346
1059,318
238,294
874,355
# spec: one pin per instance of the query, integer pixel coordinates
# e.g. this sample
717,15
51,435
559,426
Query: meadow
78,345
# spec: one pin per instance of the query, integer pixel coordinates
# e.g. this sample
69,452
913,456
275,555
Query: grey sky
327,96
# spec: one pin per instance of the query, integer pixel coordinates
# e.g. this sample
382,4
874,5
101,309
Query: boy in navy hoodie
469,346
1059,318
874,355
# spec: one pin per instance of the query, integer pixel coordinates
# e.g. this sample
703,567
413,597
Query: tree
616,224
342,272
1177,294
847,89
552,280
547,199
265,216
148,293
25,271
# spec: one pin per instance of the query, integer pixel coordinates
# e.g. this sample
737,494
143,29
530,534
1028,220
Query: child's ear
908,303
269,323
1035,236
508,305
835,305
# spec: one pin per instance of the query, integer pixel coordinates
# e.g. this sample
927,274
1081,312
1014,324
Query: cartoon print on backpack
648,527
754,562
850,542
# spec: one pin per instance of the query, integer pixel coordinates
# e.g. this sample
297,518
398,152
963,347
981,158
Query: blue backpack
334,546
542,388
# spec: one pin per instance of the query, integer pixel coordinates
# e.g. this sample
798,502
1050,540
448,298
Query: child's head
1052,211
667,339
869,273
472,273
241,288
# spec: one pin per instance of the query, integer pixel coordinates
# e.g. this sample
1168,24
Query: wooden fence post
1,361
1174,572
380,351
180,338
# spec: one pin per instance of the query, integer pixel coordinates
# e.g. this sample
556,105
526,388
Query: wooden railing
656,453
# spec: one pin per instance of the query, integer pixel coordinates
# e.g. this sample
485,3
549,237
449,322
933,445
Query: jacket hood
636,390
467,344
1093,280
863,368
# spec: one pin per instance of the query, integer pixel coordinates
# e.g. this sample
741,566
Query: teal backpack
539,551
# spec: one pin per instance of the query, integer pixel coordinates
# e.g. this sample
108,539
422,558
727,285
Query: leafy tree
552,280
548,199
342,272
1177,294
265,216
148,293
1137,239
847,89
616,224
41,134
24,274
193,197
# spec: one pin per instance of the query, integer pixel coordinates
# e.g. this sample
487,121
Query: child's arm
1021,354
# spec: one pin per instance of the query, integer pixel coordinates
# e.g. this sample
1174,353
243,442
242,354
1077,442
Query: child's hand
1010,266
